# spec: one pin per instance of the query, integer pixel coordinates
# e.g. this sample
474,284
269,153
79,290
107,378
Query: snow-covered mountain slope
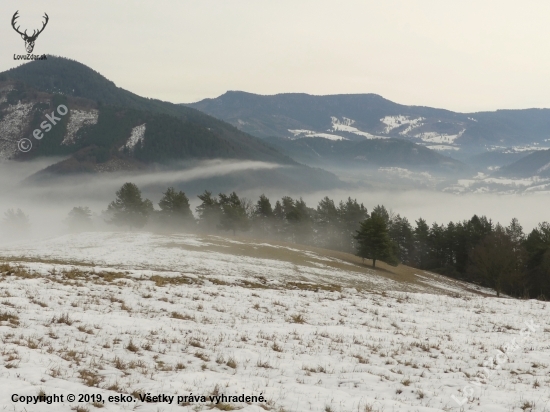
135,314
360,116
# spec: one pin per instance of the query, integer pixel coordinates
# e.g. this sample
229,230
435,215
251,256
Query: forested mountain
107,122
369,116
535,164
367,153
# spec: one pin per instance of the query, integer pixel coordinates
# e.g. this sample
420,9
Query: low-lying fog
47,204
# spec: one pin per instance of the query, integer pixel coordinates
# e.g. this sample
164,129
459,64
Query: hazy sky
462,55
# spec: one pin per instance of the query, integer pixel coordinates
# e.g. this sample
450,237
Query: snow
79,119
501,181
136,137
393,122
4,92
518,149
442,147
301,133
375,345
345,125
434,137
16,119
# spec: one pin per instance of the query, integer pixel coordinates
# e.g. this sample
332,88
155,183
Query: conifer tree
175,210
79,219
373,241
494,261
351,215
16,224
263,215
129,209
234,216
209,211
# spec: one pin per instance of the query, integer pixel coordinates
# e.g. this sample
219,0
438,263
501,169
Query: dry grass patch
10,318
90,378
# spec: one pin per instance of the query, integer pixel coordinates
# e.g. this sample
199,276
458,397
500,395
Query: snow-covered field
137,313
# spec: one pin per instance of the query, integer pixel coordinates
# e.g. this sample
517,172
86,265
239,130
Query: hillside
103,118
373,153
304,328
369,116
535,164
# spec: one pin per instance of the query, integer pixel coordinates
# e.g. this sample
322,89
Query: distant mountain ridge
369,116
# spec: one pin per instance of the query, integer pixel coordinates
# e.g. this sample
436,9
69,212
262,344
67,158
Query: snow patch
137,136
443,147
79,119
16,119
4,93
393,122
345,125
434,137
301,133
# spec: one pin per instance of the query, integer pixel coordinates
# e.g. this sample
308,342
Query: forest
478,250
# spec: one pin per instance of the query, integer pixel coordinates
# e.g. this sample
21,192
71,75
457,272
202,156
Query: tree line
476,250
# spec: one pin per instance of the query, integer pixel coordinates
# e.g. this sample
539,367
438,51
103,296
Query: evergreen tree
129,209
300,221
493,260
209,211
234,215
175,210
373,241
80,219
351,215
278,220
537,246
421,244
263,215
327,224
401,234
16,224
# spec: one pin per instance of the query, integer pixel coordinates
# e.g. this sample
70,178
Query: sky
460,55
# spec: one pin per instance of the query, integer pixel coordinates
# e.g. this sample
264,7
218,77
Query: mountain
369,116
374,153
535,164
110,126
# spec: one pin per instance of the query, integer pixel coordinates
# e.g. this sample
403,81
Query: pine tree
401,233
209,211
494,261
16,224
129,209
300,221
327,224
373,241
79,219
351,215
234,215
421,244
263,215
175,210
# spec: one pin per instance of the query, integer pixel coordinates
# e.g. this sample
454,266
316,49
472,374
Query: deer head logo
29,40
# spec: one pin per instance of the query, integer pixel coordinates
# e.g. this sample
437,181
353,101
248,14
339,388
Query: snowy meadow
126,315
